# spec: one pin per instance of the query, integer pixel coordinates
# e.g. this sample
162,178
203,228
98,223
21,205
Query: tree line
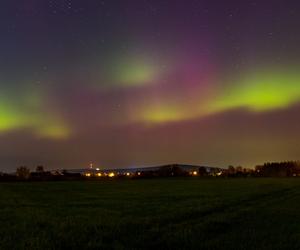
269,169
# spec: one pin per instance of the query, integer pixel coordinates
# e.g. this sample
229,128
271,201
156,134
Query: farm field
187,213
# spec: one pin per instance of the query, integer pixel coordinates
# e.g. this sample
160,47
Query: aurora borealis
141,82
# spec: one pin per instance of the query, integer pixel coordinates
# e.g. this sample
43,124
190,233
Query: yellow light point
99,174
195,173
88,174
127,174
112,174
139,173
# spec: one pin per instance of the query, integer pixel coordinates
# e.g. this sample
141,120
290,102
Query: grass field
152,214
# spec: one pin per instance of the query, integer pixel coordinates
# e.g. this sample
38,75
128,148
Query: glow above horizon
89,78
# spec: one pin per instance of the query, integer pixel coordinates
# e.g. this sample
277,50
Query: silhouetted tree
23,172
278,169
231,170
239,169
39,169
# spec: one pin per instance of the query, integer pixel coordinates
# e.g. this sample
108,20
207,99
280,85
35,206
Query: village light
111,174
99,174
127,174
195,173
88,174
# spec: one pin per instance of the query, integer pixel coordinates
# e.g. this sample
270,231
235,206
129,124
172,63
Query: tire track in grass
192,216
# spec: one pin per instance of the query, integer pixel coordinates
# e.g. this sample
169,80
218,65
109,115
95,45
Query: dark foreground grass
152,214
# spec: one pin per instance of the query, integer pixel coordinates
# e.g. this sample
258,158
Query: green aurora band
260,91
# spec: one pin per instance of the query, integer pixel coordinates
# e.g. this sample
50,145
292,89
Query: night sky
127,83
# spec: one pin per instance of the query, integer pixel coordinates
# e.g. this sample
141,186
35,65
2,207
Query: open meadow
188,213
